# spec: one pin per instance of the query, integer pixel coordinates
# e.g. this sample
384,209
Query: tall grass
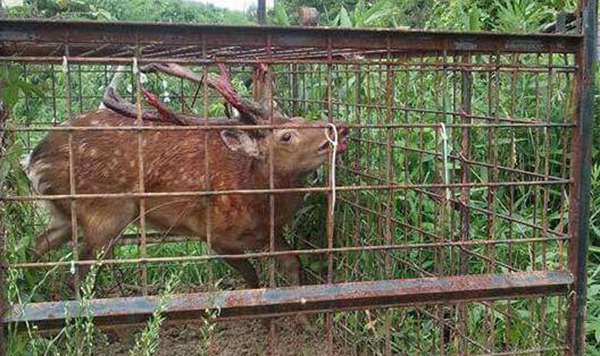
359,90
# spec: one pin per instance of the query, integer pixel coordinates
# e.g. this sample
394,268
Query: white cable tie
72,270
65,65
334,143
135,66
446,168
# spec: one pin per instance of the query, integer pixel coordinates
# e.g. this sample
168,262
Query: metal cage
461,211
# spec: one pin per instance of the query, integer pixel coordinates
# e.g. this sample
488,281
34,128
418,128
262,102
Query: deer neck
260,170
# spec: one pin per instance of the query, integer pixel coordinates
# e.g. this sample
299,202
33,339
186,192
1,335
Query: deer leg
56,234
101,227
242,265
290,263
291,266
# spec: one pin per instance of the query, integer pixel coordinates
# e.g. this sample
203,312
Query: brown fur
107,162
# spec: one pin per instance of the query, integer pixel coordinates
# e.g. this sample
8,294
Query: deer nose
342,131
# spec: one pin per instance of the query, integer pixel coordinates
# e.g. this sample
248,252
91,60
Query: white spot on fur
35,172
94,122
93,152
82,147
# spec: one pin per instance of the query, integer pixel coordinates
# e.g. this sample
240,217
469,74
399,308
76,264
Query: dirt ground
239,338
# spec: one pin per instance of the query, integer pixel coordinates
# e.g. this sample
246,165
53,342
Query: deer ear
240,141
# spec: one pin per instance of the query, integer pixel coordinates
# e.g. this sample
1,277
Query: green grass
415,218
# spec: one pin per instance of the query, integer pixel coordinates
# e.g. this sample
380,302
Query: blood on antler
251,112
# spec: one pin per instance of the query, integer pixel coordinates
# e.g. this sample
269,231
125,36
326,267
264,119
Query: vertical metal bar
565,144
53,79
207,186
465,194
140,153
445,210
3,272
465,112
81,108
579,214
546,190
389,92
272,282
330,207
3,241
536,164
74,237
357,157
293,67
261,12
493,111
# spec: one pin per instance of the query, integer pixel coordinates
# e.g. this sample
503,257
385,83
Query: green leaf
280,15
345,18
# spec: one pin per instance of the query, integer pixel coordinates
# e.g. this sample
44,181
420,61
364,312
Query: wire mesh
459,162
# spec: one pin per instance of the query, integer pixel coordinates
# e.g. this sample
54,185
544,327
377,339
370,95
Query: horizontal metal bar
310,298
454,157
398,66
503,121
390,187
313,251
371,66
211,126
173,34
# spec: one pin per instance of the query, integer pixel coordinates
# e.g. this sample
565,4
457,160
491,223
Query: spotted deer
107,161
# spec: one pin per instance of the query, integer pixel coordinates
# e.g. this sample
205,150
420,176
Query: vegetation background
463,15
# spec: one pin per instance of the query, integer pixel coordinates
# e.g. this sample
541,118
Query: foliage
132,10
463,15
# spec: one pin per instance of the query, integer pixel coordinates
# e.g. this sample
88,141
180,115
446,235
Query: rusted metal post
261,12
465,194
579,214
308,16
3,241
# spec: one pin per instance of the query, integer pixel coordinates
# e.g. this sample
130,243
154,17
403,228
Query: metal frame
36,41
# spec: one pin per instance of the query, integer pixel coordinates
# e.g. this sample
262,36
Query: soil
239,338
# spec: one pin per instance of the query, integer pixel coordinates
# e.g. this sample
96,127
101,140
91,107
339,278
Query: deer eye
286,137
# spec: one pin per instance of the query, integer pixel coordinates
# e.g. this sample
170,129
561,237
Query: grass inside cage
485,193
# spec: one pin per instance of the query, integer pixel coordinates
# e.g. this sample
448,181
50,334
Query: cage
454,223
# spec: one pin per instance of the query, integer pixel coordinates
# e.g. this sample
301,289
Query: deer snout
342,139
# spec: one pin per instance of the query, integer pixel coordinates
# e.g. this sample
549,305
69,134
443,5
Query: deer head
299,147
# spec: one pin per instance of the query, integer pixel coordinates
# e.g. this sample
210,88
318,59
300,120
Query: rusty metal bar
174,34
403,66
4,116
258,127
141,138
579,205
314,298
278,190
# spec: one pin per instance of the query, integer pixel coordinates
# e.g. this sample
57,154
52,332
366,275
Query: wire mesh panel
430,193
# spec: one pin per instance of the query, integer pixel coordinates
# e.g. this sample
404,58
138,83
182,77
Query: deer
106,161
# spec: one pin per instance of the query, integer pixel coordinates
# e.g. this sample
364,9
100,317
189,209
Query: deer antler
116,103
163,111
251,112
